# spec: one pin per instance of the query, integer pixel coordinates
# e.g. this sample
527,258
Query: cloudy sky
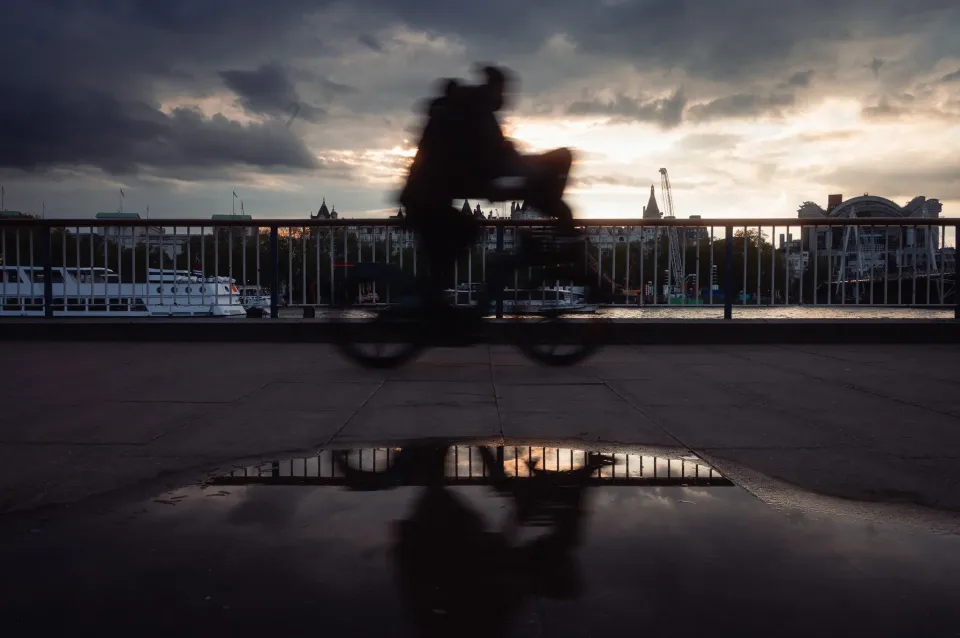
753,105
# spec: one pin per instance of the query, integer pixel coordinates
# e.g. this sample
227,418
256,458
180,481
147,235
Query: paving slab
380,425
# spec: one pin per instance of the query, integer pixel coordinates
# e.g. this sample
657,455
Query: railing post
274,273
47,272
499,288
728,276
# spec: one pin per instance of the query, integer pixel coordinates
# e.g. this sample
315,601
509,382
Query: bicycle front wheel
558,341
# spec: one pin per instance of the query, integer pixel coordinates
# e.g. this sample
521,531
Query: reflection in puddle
464,464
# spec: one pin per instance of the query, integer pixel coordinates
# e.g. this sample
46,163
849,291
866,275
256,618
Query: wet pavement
873,424
470,541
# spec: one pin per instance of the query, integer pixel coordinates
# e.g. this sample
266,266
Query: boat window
56,276
10,276
86,277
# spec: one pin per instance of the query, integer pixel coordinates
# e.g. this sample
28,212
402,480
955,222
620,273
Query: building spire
652,211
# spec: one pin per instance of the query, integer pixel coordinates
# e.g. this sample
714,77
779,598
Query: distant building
865,250
129,237
324,212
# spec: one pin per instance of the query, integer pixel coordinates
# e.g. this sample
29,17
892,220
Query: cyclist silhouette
461,155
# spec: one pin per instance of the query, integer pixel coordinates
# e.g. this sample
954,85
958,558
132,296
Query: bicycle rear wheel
388,336
387,340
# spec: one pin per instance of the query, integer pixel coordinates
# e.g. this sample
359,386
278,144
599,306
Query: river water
693,313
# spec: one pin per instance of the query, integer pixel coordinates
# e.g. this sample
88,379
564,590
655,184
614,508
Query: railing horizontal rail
779,222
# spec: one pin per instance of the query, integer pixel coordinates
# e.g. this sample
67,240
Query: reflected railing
464,465
292,267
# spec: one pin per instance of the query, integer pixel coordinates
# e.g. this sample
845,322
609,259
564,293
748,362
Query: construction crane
673,233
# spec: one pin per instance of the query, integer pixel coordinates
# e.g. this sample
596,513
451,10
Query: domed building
868,251
867,206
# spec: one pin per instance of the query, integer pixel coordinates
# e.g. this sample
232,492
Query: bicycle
413,320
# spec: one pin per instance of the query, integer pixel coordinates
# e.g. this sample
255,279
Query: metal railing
465,465
170,267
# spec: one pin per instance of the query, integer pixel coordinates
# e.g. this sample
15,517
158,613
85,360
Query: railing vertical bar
47,257
274,271
728,275
712,266
902,240
699,295
927,245
759,260
33,272
91,300
203,262
190,272
303,265
815,251
4,277
63,263
886,263
746,254
942,245
216,265
243,262
643,280
786,270
829,241
290,265
873,265
120,294
316,291
76,237
613,267
333,261
803,266
16,238
773,265
842,273
913,269
106,265
626,287
656,264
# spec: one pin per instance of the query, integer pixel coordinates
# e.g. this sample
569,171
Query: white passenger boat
98,292
253,297
530,300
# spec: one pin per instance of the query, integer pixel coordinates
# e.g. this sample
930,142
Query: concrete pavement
870,423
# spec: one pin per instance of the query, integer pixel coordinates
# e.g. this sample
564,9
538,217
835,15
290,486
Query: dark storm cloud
103,66
666,112
741,105
86,93
122,137
723,41
269,91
